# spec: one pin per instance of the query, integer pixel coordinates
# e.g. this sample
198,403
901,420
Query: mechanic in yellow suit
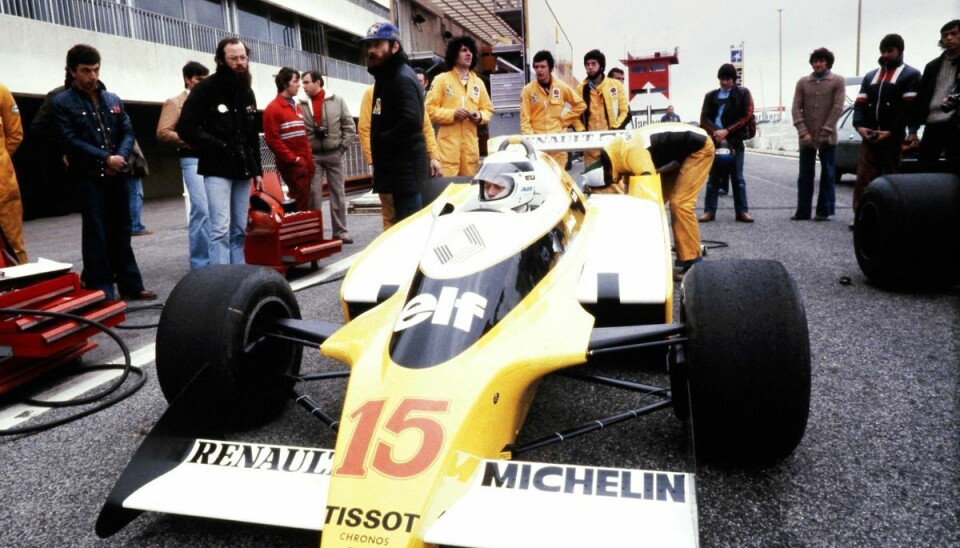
363,133
11,209
458,103
607,103
682,154
544,103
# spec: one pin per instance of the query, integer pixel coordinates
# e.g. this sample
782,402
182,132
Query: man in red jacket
286,135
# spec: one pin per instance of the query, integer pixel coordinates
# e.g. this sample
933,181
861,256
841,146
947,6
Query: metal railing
354,165
109,17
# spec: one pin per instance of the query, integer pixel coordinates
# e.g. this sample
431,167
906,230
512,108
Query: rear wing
562,142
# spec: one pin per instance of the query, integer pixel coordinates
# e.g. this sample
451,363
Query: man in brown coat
198,226
817,104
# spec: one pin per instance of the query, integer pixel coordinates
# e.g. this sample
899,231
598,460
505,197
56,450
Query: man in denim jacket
98,138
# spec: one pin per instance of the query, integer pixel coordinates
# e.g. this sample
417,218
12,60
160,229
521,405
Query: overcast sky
705,30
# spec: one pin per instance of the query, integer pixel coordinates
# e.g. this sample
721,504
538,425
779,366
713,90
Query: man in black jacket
218,120
881,113
396,127
941,79
725,114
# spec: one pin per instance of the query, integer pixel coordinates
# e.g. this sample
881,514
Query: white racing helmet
507,181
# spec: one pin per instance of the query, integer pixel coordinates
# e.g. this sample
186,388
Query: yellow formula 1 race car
452,318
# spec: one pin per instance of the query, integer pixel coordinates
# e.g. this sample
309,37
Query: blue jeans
227,201
405,205
826,199
198,227
107,255
716,180
135,188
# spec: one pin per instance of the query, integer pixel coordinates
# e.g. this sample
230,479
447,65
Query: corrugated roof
480,18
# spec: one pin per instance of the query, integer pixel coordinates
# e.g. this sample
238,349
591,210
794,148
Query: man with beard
459,103
880,114
98,139
218,121
397,146
606,99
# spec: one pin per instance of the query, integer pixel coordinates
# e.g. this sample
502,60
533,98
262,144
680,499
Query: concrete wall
135,70
342,14
143,74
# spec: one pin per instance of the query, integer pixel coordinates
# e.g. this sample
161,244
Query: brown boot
706,217
744,217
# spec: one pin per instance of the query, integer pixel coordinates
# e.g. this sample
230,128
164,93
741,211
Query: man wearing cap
606,99
547,105
397,146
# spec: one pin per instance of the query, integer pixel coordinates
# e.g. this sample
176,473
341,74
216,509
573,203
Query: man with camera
880,113
331,131
936,106
286,135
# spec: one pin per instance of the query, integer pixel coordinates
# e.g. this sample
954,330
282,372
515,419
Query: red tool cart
279,238
31,345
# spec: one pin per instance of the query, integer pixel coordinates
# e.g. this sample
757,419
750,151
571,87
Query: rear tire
747,361
211,315
905,235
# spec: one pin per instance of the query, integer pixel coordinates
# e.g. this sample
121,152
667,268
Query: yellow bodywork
409,439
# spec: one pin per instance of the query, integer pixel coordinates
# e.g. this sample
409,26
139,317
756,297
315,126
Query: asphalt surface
879,465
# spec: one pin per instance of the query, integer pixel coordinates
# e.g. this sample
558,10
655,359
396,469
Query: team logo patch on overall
448,91
533,97
556,93
475,93
613,92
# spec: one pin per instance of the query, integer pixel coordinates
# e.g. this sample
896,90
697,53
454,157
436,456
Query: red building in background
651,73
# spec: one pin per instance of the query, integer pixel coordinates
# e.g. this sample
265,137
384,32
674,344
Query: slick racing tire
906,231
747,361
210,318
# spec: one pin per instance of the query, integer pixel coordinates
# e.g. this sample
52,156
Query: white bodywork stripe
614,249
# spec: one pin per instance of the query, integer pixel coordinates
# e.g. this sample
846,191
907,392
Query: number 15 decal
408,415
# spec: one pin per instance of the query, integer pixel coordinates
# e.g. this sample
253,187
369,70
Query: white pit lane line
77,385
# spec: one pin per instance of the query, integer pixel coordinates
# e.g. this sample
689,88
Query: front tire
747,361
210,317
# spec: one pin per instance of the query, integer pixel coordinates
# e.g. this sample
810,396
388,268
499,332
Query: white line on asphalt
324,274
72,387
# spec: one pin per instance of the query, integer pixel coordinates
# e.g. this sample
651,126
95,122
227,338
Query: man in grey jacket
331,130
817,104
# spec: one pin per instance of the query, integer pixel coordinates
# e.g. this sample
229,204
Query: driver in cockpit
507,183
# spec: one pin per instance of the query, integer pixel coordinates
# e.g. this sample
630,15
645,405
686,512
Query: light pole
859,17
780,111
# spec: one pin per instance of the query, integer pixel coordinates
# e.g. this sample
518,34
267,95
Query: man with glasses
219,121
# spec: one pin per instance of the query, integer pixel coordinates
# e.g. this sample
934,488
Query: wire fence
354,166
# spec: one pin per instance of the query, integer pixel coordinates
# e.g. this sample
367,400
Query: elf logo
461,309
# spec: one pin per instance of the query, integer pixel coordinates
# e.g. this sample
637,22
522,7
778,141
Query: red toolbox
31,344
280,239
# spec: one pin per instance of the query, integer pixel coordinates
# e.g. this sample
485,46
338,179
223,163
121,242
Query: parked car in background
848,149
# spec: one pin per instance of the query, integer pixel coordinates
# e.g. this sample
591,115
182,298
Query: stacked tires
907,231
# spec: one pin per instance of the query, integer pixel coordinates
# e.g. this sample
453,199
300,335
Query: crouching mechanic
682,154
